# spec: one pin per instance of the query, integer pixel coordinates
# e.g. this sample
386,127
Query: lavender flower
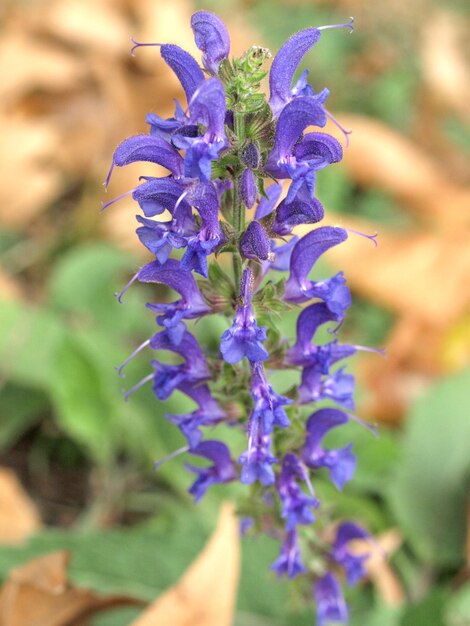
219,152
245,338
331,606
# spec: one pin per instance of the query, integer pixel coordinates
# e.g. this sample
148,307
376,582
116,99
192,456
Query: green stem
237,261
238,207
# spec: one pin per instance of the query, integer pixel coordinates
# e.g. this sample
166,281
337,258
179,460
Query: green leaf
28,340
83,285
430,489
83,409
428,611
20,408
380,615
457,612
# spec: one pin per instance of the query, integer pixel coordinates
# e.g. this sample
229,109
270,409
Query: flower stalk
225,153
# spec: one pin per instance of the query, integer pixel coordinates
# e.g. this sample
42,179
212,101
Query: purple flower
167,377
338,387
268,405
211,38
282,255
208,413
184,66
307,251
190,306
289,215
331,606
284,65
245,337
207,107
255,243
248,188
353,564
222,470
257,461
156,195
147,148
341,463
296,505
266,205
289,562
294,119
161,237
308,322
250,156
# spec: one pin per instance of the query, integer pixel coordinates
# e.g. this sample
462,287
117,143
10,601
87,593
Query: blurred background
76,461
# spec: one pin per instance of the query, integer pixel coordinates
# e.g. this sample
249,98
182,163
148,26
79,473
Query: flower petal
211,38
286,62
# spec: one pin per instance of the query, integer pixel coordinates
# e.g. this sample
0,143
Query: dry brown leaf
27,153
38,593
9,287
38,65
19,518
206,593
377,567
96,26
445,69
422,274
380,157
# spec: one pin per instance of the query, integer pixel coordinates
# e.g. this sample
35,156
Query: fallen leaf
420,274
27,147
378,569
379,156
38,65
38,593
206,593
445,69
19,518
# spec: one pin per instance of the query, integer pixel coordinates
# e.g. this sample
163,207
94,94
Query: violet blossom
228,234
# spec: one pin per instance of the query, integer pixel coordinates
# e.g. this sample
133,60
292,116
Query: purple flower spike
222,470
284,65
296,505
306,252
248,188
255,243
353,564
331,606
148,148
289,562
184,66
266,205
156,195
208,413
341,463
245,337
296,212
211,38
